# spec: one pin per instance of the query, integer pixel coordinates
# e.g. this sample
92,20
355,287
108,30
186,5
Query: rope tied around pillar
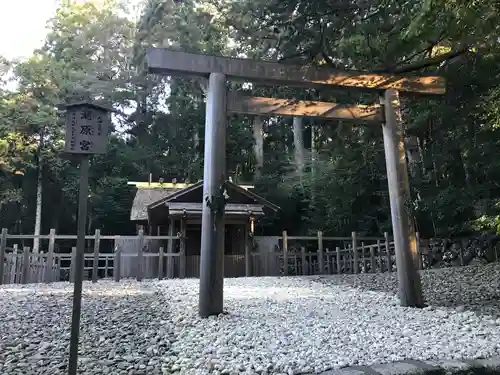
217,202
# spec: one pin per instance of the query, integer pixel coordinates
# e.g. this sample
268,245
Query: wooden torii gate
219,70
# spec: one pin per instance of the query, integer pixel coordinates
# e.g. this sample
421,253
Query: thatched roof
147,199
143,198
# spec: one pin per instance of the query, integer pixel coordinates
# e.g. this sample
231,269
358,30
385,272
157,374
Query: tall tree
95,47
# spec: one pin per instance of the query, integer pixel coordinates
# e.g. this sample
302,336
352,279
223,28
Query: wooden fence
320,255
293,255
21,265
57,262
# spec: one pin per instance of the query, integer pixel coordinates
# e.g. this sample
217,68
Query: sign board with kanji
87,128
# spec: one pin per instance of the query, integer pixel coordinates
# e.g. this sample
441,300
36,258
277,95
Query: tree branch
304,52
433,61
395,66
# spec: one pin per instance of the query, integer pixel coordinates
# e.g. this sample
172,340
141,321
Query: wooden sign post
168,62
87,128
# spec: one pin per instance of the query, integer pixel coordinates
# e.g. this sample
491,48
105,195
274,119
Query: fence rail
293,255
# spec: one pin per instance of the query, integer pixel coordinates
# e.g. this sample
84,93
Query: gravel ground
274,326
475,288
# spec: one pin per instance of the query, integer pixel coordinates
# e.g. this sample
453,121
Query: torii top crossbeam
165,61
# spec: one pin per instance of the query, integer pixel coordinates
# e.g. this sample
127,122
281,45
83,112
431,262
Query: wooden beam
259,106
169,185
168,62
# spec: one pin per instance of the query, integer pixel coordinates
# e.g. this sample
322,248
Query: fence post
139,255
355,252
26,264
3,245
182,250
327,259
160,263
117,263
49,275
95,262
106,266
363,256
15,276
388,250
170,251
347,258
372,256
339,266
57,268
248,253
285,253
72,265
321,258
303,256
39,265
379,250
351,259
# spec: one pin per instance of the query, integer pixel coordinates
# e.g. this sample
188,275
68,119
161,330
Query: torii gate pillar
405,241
212,226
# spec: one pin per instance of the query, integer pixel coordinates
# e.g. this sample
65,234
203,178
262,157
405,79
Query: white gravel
274,326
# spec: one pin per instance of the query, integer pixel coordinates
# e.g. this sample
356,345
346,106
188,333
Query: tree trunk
196,145
298,141
466,152
412,154
88,243
467,170
420,145
39,196
258,135
432,147
313,164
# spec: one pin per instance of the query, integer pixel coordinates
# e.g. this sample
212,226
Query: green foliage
159,124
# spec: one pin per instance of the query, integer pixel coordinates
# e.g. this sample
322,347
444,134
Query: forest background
98,47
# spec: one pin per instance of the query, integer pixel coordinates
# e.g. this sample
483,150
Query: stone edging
420,367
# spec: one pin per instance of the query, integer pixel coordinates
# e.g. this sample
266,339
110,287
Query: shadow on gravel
472,288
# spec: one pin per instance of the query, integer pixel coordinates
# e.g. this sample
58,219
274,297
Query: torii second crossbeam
260,106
